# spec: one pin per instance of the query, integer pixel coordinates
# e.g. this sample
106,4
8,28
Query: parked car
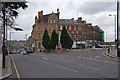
24,52
29,50
13,52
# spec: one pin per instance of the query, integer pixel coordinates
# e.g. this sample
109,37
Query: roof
44,19
67,21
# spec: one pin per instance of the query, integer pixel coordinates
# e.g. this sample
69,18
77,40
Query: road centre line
16,69
67,68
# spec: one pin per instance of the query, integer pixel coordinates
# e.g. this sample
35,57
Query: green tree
11,10
45,39
54,39
65,39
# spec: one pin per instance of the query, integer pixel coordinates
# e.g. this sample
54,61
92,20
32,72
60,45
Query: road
80,64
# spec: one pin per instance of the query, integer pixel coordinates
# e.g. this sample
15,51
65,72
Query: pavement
7,71
112,54
0,65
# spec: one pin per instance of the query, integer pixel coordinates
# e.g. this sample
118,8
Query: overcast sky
92,11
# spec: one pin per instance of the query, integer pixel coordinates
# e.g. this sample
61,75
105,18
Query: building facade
79,30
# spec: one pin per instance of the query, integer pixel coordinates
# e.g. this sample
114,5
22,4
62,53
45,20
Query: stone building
79,30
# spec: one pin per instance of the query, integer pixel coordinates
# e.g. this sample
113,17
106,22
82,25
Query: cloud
93,12
91,8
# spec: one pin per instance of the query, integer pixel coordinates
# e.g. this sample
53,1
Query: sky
93,11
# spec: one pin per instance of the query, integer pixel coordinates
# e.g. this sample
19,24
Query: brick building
79,30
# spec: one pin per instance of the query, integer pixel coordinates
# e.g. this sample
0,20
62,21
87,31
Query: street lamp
114,26
94,38
10,42
106,36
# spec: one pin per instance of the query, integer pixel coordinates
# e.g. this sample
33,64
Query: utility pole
3,47
118,28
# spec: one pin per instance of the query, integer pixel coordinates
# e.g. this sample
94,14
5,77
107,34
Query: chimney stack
58,13
40,14
35,19
79,19
57,10
72,19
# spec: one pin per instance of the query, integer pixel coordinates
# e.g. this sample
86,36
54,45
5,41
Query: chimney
72,19
57,10
96,26
35,19
40,14
89,24
79,19
58,13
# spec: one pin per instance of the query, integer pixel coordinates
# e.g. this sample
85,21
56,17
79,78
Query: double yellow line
18,76
116,58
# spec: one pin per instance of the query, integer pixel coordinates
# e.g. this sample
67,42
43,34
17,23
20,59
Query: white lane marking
45,58
67,68
95,59
98,60
46,62
106,61
91,58
89,66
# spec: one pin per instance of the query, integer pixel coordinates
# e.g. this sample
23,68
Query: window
79,36
69,27
79,28
52,28
69,34
66,27
38,44
74,27
61,27
39,28
74,35
50,21
39,37
54,21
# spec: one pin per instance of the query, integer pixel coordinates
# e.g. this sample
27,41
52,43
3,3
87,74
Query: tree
11,11
45,39
65,39
54,39
9,8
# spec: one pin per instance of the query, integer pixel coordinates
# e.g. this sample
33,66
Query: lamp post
106,36
10,41
118,28
94,38
114,27
3,47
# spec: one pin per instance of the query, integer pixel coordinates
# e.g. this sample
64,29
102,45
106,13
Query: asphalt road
81,64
